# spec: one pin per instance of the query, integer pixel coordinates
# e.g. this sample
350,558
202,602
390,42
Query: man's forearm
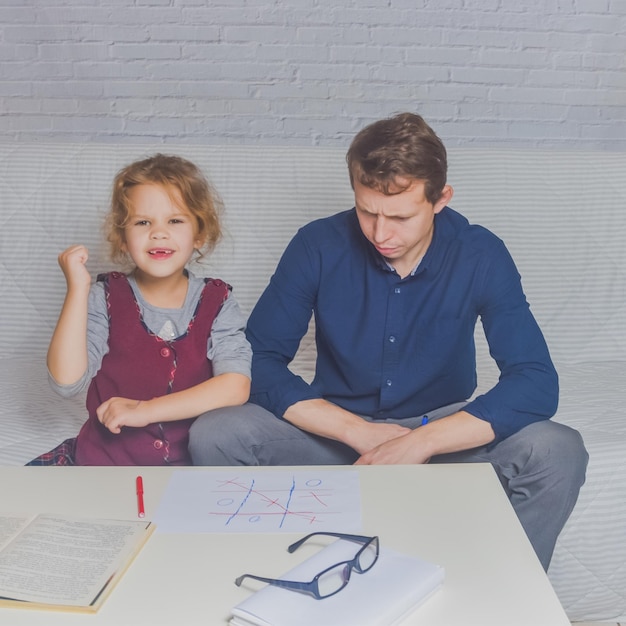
456,432
382,443
322,418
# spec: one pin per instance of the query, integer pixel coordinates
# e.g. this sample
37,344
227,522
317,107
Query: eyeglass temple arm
358,538
287,584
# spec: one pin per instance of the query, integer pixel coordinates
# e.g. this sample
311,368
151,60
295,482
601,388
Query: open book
395,586
58,562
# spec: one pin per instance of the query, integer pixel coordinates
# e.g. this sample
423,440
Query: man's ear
446,195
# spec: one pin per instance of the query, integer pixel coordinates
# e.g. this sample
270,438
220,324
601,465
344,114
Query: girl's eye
141,222
176,221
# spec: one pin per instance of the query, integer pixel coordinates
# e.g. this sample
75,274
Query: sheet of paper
65,561
10,526
394,587
300,501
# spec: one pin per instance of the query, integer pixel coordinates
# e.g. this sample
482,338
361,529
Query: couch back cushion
562,215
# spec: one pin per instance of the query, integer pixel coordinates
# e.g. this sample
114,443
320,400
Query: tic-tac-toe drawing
265,501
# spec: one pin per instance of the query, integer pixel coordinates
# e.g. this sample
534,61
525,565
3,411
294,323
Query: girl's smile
160,253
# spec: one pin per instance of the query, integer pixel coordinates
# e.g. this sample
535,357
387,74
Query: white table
456,515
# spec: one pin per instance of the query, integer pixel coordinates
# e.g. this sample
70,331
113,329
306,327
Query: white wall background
525,73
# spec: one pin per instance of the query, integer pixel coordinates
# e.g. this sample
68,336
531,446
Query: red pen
140,510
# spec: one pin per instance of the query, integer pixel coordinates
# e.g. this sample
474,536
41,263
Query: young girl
157,346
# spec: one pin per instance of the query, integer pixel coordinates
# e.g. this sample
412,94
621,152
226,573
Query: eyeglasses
334,578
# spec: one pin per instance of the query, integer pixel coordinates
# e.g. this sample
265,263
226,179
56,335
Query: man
396,285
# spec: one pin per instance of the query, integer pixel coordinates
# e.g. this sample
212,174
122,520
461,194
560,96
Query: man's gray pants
541,467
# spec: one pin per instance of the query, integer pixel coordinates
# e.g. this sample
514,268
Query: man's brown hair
400,147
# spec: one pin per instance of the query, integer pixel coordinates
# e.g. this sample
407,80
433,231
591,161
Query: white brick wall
546,73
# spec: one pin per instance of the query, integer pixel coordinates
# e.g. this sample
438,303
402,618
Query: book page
67,562
10,526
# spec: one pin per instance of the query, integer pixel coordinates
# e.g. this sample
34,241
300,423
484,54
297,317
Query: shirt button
388,383
158,444
165,352
397,290
392,339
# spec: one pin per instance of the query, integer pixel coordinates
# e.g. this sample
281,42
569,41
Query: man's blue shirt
401,347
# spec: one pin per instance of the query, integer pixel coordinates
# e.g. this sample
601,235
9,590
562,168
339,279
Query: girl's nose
158,232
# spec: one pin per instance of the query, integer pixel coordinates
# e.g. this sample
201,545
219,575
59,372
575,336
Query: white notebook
395,586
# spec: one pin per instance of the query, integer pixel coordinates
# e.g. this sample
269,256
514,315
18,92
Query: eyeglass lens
367,556
334,579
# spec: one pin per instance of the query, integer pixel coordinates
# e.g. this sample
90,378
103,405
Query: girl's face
161,234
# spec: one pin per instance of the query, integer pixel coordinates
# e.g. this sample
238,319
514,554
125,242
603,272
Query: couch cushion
33,418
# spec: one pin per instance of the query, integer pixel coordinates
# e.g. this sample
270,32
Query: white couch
563,216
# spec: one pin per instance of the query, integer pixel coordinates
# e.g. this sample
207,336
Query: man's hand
380,443
401,450
117,412
369,436
458,431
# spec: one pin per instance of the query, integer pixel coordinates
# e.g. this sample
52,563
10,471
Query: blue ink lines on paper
243,502
293,486
261,500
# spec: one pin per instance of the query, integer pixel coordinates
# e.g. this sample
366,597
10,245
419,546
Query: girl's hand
118,412
72,261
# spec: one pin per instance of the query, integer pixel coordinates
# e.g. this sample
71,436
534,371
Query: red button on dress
165,352
158,444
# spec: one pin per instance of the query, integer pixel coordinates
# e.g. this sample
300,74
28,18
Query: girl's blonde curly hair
174,174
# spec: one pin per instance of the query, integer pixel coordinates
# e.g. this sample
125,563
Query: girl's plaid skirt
63,454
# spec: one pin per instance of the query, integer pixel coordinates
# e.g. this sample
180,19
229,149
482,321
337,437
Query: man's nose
380,229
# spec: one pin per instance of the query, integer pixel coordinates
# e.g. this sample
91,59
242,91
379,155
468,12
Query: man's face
399,226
